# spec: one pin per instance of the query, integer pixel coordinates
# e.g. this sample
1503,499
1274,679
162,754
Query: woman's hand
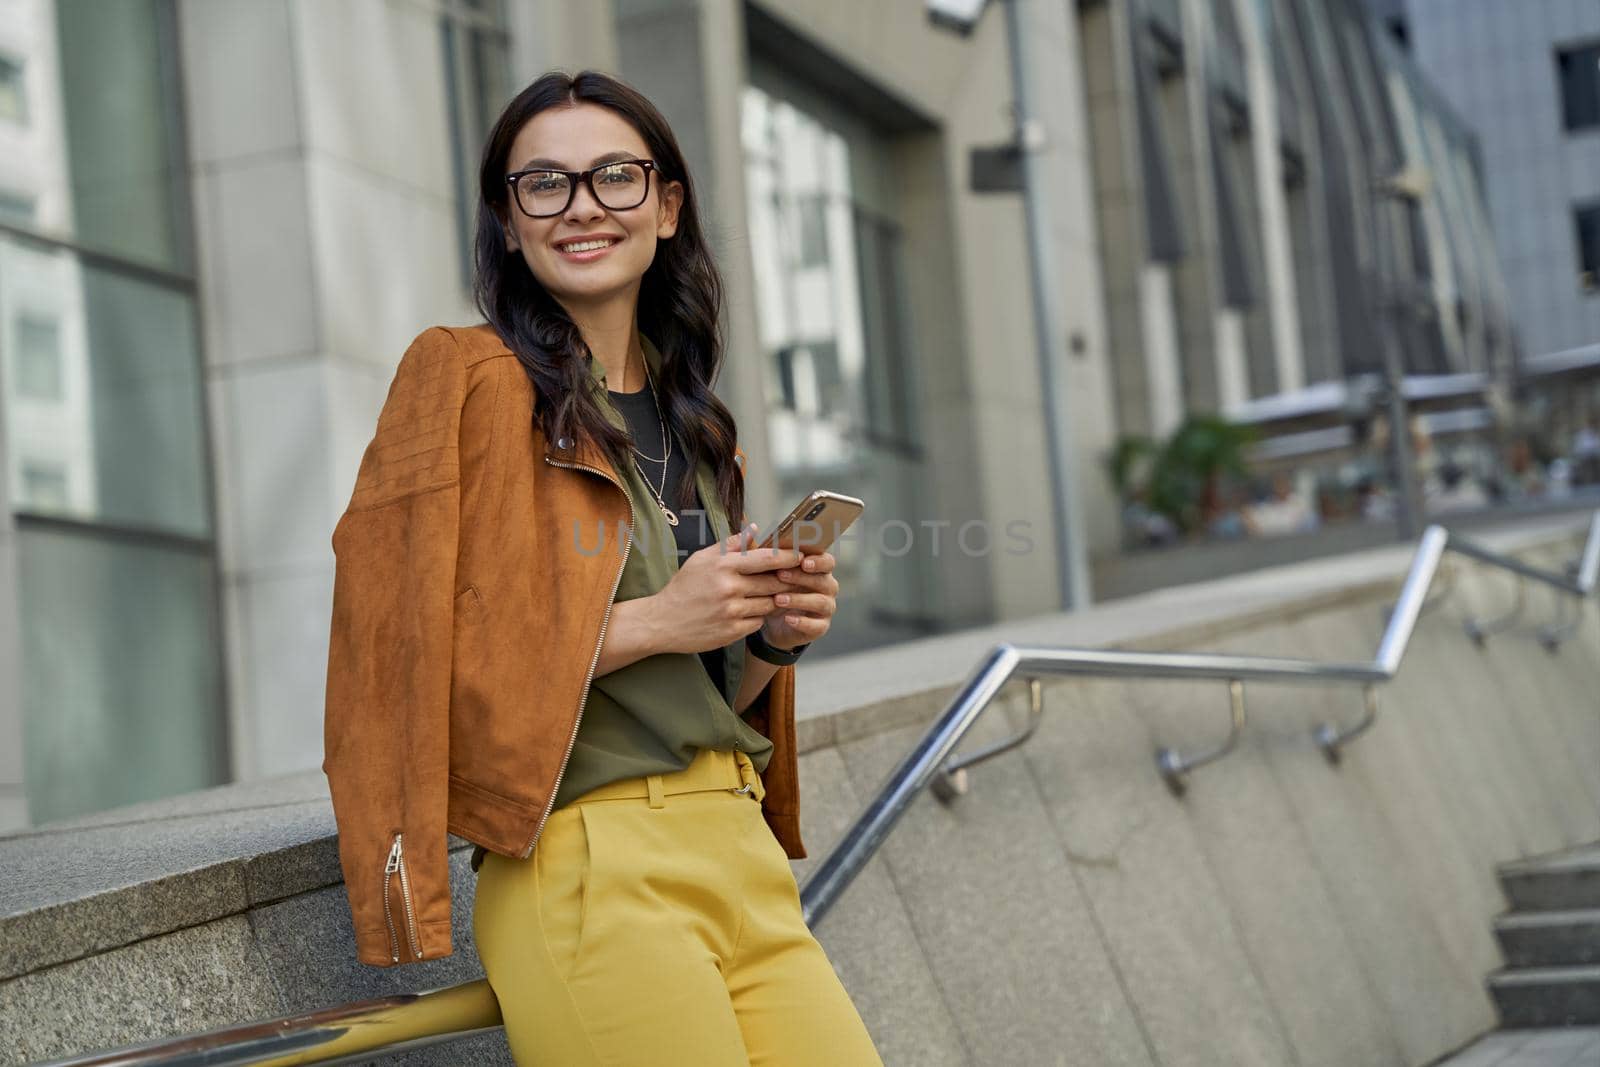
805,610
721,593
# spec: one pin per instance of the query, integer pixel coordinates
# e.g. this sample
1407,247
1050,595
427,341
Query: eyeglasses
617,186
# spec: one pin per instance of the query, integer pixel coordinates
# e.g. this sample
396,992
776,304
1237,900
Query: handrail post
1480,632
951,781
1330,739
1553,634
1175,768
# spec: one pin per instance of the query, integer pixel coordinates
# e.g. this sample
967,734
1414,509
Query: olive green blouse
653,715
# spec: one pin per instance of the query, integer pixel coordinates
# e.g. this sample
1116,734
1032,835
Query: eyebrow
556,164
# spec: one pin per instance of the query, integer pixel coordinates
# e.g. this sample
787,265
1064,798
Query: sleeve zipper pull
394,858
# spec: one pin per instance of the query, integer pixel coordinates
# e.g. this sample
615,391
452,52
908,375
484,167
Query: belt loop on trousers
657,796
747,774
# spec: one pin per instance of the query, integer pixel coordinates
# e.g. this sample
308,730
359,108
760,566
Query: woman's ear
508,233
671,203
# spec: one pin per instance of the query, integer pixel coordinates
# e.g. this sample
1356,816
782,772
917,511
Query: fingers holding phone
720,593
804,612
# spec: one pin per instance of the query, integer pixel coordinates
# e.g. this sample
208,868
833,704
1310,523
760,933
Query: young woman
609,718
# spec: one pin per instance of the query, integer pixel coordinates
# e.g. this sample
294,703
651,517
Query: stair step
1569,1046
1549,938
1566,881
1546,996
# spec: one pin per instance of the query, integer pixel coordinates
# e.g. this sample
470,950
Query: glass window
38,374
119,153
892,417
102,379
104,443
16,208
1227,27
1580,86
477,64
45,481
841,392
122,682
13,96
812,221
1588,219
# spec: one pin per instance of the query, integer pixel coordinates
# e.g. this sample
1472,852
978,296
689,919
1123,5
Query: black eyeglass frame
574,178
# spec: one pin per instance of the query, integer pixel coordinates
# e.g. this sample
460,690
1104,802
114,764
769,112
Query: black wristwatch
760,649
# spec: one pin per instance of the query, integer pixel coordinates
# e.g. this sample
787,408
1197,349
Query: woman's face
577,138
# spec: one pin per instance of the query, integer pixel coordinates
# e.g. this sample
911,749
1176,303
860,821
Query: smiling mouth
579,248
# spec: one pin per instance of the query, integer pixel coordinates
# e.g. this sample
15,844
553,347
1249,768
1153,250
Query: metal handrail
354,1032
925,762
349,1033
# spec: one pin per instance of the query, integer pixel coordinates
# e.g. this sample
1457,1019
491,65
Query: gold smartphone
815,523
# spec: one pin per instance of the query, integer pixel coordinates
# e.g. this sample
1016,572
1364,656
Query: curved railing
357,1031
930,763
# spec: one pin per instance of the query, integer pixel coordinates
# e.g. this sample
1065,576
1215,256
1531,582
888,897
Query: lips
592,249
587,238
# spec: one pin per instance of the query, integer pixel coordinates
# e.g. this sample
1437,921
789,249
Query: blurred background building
221,222
1526,77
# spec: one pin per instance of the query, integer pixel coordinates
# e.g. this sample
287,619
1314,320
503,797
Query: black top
693,531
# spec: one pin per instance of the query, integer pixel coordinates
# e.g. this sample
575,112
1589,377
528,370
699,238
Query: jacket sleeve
386,718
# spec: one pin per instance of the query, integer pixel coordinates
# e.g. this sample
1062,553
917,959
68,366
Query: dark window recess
16,208
1396,25
476,47
889,417
812,211
1580,86
1589,247
13,97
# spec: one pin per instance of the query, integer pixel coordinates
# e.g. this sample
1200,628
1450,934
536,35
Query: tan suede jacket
471,593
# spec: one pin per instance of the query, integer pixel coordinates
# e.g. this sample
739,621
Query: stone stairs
1550,940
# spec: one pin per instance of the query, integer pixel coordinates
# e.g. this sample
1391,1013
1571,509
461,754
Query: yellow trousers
658,923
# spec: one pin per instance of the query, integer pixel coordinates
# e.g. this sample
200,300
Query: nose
578,209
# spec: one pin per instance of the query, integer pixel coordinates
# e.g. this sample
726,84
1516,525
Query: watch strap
757,643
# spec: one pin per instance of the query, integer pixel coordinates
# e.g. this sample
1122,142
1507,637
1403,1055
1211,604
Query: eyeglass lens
618,187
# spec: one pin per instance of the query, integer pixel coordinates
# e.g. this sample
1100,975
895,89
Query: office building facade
1527,78
221,222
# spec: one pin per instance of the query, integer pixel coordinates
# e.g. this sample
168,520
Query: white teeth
587,246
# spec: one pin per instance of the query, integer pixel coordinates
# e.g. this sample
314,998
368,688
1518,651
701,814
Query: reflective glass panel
102,393
841,393
108,133
121,677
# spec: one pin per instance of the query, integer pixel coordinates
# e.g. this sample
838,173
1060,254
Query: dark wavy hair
680,299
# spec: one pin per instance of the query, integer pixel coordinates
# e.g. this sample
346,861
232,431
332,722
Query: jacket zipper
593,663
397,862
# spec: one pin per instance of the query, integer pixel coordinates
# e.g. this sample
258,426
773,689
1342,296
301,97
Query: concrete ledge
79,886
